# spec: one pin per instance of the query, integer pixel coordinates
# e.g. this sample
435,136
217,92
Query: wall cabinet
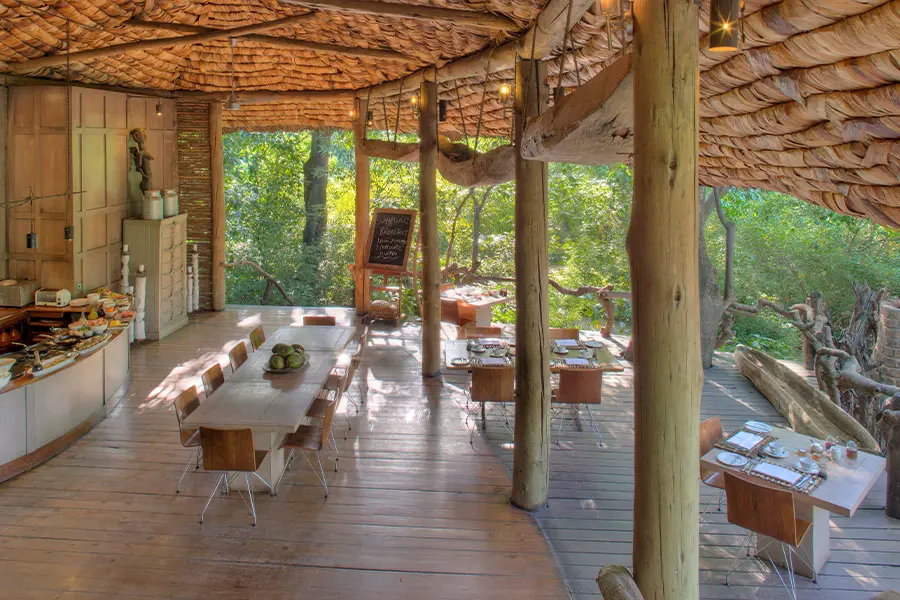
161,246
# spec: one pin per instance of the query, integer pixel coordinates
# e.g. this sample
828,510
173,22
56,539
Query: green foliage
785,247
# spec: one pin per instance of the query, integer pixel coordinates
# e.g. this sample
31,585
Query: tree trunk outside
890,427
315,186
711,305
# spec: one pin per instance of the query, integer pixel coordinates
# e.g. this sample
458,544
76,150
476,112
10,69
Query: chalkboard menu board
389,238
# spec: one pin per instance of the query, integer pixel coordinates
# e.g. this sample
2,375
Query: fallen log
808,410
270,280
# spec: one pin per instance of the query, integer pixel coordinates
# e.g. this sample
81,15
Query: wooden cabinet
161,246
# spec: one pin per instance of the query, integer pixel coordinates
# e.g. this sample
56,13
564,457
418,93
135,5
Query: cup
776,447
807,464
837,453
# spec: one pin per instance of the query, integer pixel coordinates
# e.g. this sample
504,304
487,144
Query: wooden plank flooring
414,511
589,519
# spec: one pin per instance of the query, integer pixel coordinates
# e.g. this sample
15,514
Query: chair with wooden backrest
764,509
185,404
710,435
473,331
579,387
313,438
563,333
257,337
494,385
237,355
212,378
319,320
232,451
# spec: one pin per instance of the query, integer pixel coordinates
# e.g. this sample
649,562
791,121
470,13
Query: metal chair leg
186,467
250,493
215,489
737,556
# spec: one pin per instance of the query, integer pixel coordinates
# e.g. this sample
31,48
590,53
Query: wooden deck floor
413,513
589,519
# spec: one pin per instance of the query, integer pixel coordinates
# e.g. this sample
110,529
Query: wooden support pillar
217,178
663,251
428,227
531,458
363,293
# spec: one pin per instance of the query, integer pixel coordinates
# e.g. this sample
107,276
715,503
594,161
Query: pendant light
233,103
414,103
724,20
442,111
159,109
504,93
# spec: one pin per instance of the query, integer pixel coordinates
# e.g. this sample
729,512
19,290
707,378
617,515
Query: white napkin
776,472
493,362
576,362
745,440
568,343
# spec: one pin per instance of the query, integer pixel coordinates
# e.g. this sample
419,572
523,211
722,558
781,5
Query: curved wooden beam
468,18
590,126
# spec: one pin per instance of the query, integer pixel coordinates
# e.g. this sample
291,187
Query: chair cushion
318,407
307,437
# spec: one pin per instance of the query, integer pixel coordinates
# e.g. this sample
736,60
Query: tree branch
269,278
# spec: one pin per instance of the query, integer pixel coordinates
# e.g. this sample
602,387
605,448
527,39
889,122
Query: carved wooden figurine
141,157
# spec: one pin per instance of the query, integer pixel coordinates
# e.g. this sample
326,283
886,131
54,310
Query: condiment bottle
852,450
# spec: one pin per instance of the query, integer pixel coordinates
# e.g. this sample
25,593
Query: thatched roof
810,106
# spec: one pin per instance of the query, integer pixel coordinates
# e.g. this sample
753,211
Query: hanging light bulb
233,103
442,111
724,17
370,118
414,102
609,7
504,93
352,113
159,109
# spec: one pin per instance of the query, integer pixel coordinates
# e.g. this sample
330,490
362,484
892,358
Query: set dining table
839,487
461,355
272,405
475,304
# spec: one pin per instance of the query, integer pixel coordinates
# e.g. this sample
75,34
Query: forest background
290,208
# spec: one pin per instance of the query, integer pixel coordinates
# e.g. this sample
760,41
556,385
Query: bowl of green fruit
286,358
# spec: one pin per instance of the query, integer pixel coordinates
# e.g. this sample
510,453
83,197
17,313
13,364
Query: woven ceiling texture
810,106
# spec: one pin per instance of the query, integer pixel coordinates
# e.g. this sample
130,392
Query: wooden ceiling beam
375,53
467,18
540,41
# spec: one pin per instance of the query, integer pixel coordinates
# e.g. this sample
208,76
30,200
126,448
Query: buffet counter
41,416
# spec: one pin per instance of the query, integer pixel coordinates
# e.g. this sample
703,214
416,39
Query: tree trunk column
217,178
531,457
663,250
362,293
431,265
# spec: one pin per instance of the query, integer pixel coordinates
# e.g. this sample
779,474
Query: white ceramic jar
153,206
170,203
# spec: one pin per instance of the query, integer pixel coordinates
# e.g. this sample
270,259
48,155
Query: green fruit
276,362
298,348
295,360
281,349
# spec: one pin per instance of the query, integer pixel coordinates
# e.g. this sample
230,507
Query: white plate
758,426
459,362
814,471
594,344
731,459
79,302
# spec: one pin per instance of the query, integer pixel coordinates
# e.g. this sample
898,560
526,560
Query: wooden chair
232,451
257,337
212,379
766,510
185,404
578,387
710,435
320,320
473,331
491,385
237,355
315,439
563,333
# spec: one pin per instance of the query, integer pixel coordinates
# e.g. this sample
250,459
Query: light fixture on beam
370,118
159,109
414,103
69,233
442,110
31,241
724,21
609,7
352,113
504,93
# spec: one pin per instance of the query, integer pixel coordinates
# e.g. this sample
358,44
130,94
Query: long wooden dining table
458,357
273,404
847,484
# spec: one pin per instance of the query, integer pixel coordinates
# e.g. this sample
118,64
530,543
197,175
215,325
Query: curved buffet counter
42,416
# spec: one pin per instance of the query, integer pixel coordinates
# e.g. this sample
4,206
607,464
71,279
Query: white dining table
848,483
273,404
